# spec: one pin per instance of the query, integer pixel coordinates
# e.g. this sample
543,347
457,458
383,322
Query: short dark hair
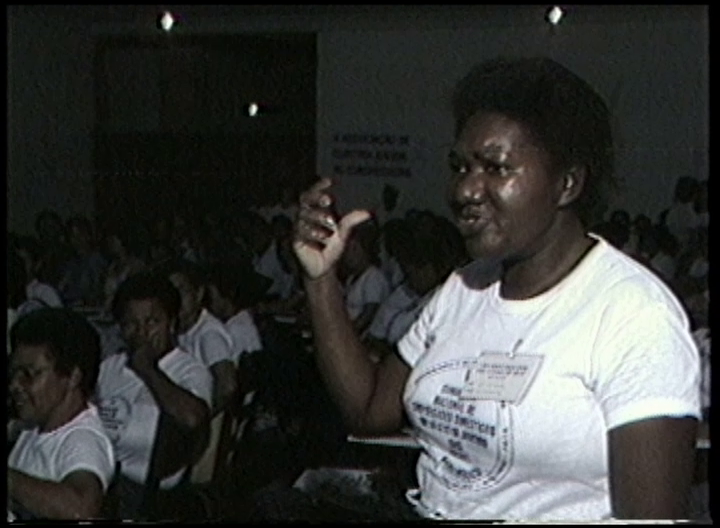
146,285
238,281
70,338
686,188
194,272
564,113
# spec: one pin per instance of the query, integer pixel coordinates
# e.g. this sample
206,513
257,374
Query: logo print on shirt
115,415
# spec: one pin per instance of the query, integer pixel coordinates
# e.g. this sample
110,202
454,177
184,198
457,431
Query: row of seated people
183,367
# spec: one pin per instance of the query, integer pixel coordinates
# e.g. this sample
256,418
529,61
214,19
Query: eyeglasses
27,375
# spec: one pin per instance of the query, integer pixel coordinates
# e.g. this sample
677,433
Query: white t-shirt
208,340
44,293
79,445
400,299
616,347
371,287
244,333
130,413
268,264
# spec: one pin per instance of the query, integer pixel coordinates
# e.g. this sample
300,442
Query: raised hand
320,238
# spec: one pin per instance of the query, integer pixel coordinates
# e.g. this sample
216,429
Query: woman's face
36,388
502,192
143,319
191,300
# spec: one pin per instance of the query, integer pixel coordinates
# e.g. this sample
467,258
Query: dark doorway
173,131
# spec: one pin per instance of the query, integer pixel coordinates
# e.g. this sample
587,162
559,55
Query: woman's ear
76,377
572,185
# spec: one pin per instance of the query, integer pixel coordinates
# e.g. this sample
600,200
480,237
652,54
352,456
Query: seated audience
62,463
126,259
235,288
394,232
84,275
153,377
365,286
37,289
202,334
681,218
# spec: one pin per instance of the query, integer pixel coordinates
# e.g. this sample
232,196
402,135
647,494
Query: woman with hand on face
62,462
566,389
153,377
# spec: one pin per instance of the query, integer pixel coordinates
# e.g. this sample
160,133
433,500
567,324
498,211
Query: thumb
353,218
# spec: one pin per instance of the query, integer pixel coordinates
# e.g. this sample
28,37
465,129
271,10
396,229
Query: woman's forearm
51,500
186,408
342,359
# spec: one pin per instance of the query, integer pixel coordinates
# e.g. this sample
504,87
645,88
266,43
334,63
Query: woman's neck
566,244
66,411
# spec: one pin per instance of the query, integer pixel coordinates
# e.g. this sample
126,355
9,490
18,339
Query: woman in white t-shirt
62,462
153,377
202,334
568,389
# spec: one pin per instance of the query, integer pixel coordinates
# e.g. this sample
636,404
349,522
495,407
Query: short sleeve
197,379
214,348
649,367
422,332
86,450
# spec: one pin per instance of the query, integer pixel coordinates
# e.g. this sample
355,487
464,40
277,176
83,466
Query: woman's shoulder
624,281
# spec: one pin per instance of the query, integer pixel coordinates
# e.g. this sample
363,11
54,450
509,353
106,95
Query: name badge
500,376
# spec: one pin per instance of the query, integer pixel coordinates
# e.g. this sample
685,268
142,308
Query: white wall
653,73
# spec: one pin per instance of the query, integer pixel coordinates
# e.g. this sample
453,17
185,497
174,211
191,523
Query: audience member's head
122,242
30,250
234,287
620,217
80,234
362,248
49,227
147,304
390,196
686,189
55,353
190,281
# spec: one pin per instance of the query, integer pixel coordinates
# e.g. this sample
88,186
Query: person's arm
363,321
78,496
225,384
651,468
216,351
369,396
186,408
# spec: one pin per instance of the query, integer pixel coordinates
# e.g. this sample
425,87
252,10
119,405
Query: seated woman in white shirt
234,290
202,334
154,376
365,285
62,462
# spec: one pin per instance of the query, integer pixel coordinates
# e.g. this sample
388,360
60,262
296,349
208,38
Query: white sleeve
197,379
86,450
375,289
214,348
422,334
379,326
648,367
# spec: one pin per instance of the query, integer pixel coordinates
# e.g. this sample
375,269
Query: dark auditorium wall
383,81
